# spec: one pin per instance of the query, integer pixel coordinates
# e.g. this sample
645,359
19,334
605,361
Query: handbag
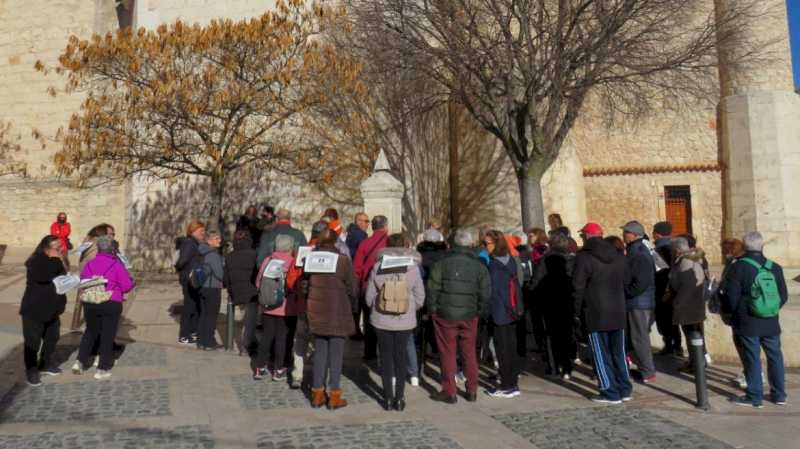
94,291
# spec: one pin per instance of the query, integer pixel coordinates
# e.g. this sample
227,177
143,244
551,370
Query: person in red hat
599,282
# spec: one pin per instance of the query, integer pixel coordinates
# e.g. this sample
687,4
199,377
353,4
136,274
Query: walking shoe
96,362
460,377
565,377
33,378
186,341
602,399
741,381
745,402
779,402
279,375
335,399
102,374
441,396
259,373
77,368
472,397
399,404
414,381
627,398
505,394
318,398
649,379
52,371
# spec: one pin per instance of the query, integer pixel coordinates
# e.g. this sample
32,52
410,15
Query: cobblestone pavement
183,437
86,401
267,395
134,354
605,427
396,435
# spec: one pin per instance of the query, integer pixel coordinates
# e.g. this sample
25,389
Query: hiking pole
231,324
698,355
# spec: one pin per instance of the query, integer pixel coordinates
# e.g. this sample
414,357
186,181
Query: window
125,13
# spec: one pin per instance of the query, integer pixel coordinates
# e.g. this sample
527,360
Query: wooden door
678,202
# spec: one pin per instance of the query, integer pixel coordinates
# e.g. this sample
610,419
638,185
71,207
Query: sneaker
77,368
601,399
649,379
565,377
779,402
627,398
279,375
504,394
414,381
741,381
460,377
33,378
259,373
746,402
185,341
96,362
102,374
54,371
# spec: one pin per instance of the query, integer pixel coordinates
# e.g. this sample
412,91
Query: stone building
711,171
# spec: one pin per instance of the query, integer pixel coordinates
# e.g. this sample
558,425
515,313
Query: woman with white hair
102,317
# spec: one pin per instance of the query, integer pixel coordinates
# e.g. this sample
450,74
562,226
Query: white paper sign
302,252
66,283
388,262
321,262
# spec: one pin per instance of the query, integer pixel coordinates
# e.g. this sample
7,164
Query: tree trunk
452,118
530,195
216,213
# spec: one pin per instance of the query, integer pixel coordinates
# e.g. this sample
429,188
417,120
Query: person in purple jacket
103,319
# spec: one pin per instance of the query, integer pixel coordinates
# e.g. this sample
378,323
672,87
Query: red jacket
366,256
61,231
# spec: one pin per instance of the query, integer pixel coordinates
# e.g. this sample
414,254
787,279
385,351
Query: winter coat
267,244
686,284
188,258
459,286
416,291
599,282
62,231
292,305
663,248
640,279
331,300
354,238
214,264
240,272
504,277
431,253
40,302
553,291
367,254
108,266
736,296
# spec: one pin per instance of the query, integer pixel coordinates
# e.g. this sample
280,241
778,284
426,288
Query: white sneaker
708,359
414,381
77,368
460,377
565,377
741,381
102,374
96,362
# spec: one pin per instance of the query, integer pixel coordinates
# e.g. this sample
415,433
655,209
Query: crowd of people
482,296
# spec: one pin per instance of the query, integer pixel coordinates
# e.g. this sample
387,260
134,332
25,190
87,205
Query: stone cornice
707,166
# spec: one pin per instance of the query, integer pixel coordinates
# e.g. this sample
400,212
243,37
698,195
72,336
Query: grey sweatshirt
213,261
416,292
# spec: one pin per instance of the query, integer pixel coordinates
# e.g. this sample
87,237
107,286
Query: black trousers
102,322
505,345
249,325
210,299
670,333
278,332
190,312
393,347
40,342
561,333
370,339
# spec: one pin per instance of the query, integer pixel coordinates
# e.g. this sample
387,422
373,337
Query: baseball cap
634,227
592,229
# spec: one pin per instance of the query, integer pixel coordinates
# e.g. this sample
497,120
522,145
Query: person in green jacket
458,294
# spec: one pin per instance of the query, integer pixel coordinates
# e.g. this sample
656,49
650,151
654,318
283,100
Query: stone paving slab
267,395
184,437
395,435
134,355
605,427
86,401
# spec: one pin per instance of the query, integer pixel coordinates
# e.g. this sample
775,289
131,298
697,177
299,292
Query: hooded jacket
736,288
502,276
331,299
240,272
640,278
416,291
213,262
599,282
459,286
686,283
40,302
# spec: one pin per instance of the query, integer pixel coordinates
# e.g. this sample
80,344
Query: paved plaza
163,395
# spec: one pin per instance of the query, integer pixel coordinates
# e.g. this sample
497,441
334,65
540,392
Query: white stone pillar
383,194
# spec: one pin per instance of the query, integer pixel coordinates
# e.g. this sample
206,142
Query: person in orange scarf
331,216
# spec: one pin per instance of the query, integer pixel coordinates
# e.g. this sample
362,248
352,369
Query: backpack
516,305
272,289
198,276
393,297
765,298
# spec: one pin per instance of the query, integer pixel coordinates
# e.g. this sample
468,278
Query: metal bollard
699,357
231,323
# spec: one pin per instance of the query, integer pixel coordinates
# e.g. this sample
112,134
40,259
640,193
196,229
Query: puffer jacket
331,299
416,291
599,282
640,279
108,266
459,287
686,283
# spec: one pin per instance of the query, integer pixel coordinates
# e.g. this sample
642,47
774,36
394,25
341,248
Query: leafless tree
524,69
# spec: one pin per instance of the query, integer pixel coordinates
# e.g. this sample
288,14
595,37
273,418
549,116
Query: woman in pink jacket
102,320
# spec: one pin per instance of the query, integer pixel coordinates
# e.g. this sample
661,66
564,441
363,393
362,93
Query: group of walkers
473,298
99,302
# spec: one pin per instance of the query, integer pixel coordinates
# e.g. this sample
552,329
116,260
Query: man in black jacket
752,333
599,281
670,333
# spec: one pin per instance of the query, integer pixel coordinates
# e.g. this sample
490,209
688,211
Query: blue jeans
608,350
411,360
750,351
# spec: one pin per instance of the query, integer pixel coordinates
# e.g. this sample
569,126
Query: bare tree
525,68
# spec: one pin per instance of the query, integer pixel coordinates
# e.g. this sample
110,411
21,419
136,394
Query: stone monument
383,194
